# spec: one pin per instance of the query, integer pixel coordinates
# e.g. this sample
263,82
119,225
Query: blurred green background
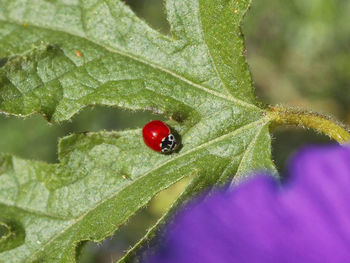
299,55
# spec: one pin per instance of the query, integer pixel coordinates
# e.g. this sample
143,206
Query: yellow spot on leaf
78,53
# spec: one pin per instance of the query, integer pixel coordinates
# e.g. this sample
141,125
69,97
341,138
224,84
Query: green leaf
61,56
140,251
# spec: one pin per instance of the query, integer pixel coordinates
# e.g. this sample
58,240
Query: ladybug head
168,144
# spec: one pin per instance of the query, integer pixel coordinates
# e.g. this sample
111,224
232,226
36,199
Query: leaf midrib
262,121
208,51
154,66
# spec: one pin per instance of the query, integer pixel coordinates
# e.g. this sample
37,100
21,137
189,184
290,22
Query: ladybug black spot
168,144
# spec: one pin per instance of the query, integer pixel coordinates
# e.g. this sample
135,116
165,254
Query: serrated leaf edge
263,121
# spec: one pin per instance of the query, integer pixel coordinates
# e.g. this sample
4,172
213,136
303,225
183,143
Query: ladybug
157,136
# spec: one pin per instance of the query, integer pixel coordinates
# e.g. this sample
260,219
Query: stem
305,119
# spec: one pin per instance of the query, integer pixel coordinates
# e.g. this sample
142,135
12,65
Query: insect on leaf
58,57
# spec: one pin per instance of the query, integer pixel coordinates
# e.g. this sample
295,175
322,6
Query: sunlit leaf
61,56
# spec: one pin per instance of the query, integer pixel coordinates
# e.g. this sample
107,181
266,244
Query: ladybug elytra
157,136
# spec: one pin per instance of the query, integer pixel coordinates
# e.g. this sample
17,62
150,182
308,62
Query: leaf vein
154,66
237,131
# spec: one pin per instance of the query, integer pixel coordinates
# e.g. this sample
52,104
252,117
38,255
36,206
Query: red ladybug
157,136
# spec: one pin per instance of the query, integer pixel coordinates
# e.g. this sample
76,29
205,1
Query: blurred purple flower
306,219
